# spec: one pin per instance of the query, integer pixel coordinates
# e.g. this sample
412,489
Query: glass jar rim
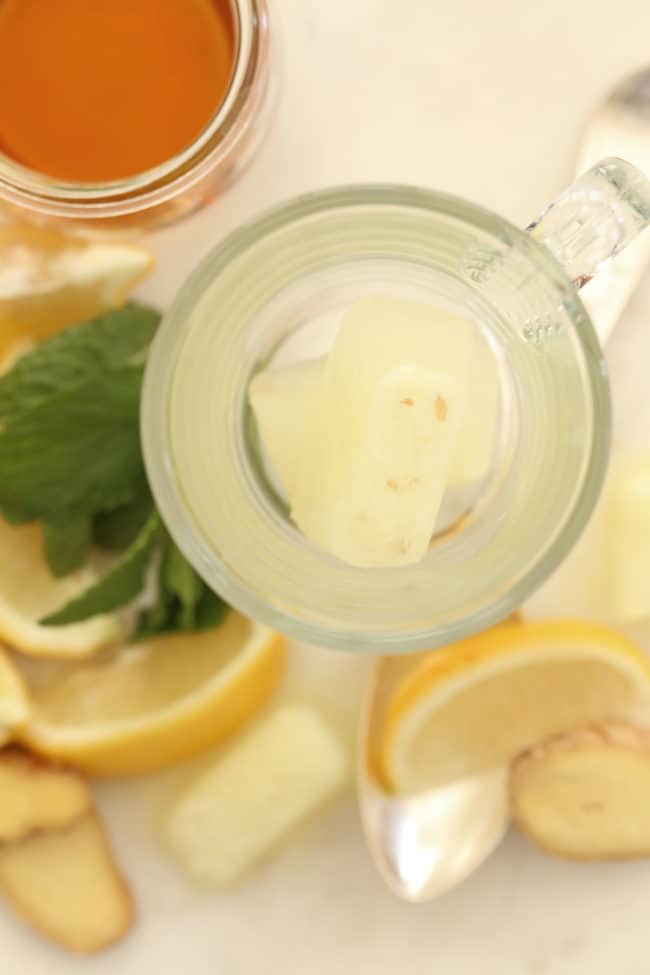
159,378
25,187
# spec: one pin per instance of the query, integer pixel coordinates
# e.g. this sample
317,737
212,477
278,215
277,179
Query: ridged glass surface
299,263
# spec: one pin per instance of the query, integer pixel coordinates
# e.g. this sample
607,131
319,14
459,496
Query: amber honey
101,90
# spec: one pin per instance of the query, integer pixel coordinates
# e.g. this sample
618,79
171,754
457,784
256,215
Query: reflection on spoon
424,844
619,126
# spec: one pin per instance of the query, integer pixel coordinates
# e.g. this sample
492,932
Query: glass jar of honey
128,114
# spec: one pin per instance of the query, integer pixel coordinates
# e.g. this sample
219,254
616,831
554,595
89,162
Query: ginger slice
586,794
36,795
66,885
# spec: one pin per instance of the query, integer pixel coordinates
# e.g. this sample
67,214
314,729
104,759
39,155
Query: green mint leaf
68,360
67,543
77,451
115,530
159,618
210,610
184,602
14,517
119,585
179,590
69,440
180,582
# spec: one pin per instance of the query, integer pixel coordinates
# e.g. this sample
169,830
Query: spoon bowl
426,843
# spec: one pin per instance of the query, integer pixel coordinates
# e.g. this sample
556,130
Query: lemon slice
49,279
14,704
473,706
29,591
151,704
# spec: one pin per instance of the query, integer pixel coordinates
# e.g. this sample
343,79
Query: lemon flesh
473,706
148,705
29,591
49,279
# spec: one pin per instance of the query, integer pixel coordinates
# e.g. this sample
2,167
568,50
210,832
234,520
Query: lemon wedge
29,591
151,704
14,704
49,279
473,706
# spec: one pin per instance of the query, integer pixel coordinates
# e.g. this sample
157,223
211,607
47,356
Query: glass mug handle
594,219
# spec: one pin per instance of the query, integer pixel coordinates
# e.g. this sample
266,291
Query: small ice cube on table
246,802
629,536
374,452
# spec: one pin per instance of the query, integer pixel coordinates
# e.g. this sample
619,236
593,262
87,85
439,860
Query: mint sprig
115,530
66,362
118,586
69,439
70,456
184,602
76,452
67,543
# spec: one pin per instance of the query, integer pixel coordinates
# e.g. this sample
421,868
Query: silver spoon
619,126
427,843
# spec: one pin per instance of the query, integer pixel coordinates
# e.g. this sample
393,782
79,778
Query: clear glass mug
273,290
179,185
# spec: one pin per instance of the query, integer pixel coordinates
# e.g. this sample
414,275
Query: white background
485,99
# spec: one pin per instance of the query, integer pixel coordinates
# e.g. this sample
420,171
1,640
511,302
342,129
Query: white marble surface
486,100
